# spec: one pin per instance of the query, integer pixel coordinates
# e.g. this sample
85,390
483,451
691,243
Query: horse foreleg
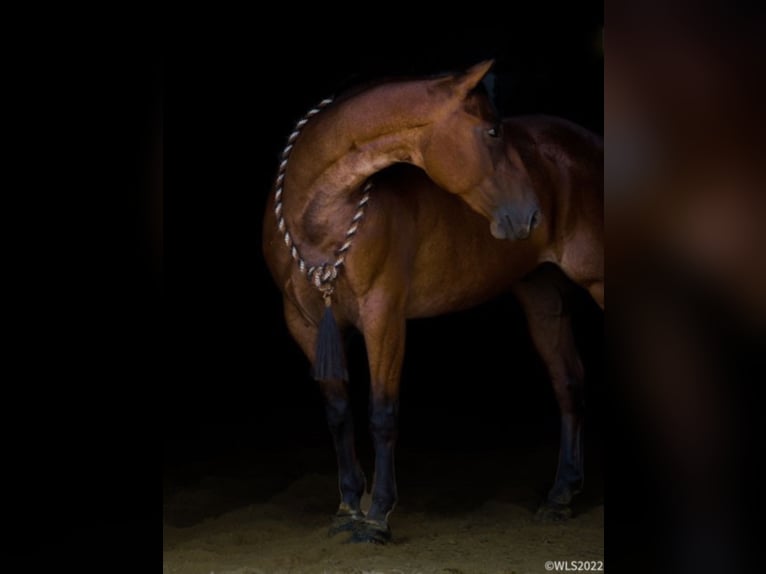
542,297
384,334
351,481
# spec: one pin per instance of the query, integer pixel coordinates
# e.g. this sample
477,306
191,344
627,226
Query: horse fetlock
353,485
564,490
382,506
562,494
346,510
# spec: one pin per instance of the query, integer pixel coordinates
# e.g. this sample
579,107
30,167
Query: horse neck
341,147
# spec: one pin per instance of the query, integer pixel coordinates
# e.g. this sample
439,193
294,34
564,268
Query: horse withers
353,244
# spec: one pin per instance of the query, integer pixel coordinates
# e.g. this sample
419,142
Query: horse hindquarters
351,480
543,294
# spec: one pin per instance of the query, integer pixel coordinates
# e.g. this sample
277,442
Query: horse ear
471,78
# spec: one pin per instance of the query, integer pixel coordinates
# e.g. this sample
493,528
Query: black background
160,350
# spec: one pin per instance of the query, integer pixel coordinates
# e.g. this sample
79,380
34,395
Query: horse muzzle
509,224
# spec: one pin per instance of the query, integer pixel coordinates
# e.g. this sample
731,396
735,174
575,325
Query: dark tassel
330,364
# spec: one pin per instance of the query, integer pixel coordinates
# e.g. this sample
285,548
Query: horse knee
353,482
337,411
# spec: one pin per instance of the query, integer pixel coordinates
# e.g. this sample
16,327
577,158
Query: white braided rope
321,276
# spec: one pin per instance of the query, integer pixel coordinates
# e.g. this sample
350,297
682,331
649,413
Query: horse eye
493,132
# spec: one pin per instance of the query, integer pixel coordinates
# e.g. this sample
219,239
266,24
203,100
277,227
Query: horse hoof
371,532
345,523
553,512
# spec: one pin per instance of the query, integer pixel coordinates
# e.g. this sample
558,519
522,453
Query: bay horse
372,247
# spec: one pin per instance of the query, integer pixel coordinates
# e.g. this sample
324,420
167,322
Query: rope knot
323,276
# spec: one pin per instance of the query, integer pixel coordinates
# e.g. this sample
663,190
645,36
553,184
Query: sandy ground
458,513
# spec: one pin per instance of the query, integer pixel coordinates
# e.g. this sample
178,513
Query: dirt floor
459,512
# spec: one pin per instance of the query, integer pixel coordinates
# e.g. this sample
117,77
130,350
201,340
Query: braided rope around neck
321,276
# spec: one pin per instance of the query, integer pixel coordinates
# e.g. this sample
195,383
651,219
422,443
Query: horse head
464,152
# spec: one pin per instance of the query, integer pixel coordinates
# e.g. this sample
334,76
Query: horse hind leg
351,480
543,297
